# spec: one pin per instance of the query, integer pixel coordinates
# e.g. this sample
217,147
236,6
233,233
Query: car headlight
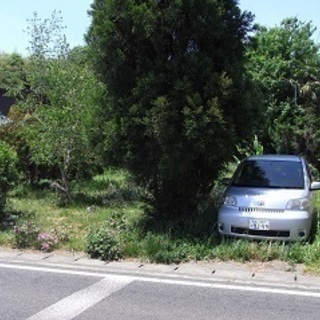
298,204
230,201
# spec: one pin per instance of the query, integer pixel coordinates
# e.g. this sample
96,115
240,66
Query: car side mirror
315,186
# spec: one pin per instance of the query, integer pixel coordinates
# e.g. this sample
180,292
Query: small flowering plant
25,234
46,241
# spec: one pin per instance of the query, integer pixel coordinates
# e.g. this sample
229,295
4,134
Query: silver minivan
269,197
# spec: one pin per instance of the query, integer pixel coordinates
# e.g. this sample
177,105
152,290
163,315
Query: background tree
8,173
178,92
58,100
285,62
13,72
60,131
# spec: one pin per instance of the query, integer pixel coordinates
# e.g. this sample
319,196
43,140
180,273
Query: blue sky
271,12
14,15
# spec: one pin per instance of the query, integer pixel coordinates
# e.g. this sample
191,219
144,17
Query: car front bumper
267,224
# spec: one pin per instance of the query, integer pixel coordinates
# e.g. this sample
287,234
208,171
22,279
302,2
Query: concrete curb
254,273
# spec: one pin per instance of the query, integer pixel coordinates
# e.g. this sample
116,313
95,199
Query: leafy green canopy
8,172
178,94
56,95
285,62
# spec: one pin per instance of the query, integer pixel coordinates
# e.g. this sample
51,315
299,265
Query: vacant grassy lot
108,220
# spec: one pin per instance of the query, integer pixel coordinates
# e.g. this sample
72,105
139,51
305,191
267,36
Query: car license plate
259,224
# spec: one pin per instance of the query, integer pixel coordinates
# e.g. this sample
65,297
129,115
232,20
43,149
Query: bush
103,244
8,172
25,232
46,241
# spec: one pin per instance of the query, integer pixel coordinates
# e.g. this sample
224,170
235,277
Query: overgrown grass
108,219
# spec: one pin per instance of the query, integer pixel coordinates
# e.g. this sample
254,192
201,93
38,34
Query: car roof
276,157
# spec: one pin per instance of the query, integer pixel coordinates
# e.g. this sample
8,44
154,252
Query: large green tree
57,93
284,60
178,93
13,73
60,129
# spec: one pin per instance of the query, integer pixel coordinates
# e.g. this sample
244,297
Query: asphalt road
38,287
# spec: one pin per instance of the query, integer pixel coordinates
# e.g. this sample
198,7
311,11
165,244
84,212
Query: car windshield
269,174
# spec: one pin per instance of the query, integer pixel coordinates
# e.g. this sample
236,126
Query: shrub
61,233
8,172
25,235
46,241
103,244
25,231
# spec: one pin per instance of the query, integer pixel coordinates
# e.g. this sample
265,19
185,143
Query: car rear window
269,174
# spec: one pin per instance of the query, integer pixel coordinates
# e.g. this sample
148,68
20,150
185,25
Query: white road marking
122,280
64,271
247,288
78,302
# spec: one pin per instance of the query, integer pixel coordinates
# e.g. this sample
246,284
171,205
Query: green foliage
161,248
61,133
8,172
168,252
256,148
103,244
248,250
12,74
58,99
285,62
61,233
112,189
178,93
126,231
25,232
